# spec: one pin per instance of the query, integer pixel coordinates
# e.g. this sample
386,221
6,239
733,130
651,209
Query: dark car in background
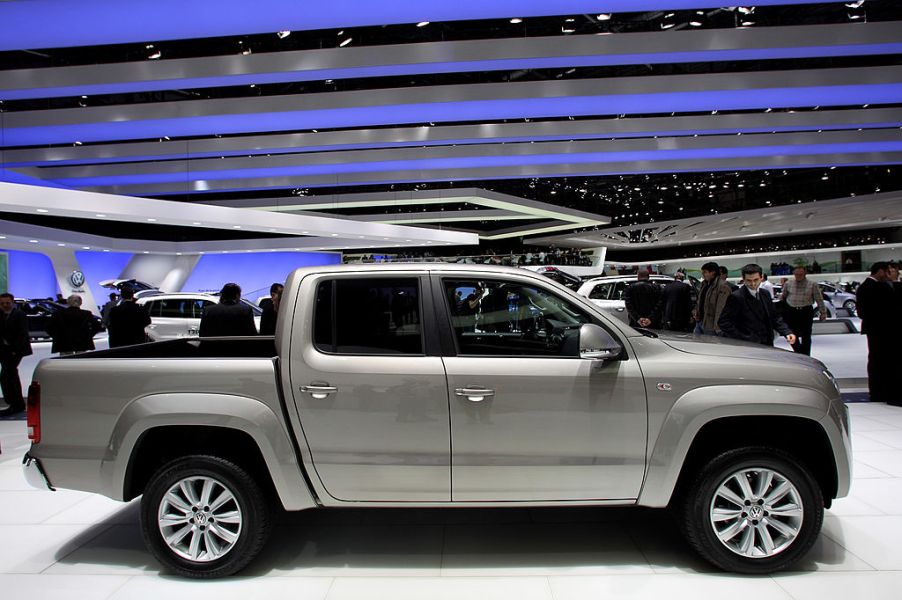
564,278
39,312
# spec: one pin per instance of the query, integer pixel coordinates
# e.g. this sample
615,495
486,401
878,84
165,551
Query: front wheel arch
802,438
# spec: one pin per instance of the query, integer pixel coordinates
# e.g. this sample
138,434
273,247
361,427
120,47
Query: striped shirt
799,294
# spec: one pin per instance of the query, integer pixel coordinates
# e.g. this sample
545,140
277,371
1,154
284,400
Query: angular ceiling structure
634,112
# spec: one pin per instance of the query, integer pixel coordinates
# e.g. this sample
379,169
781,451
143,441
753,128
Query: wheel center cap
755,512
201,518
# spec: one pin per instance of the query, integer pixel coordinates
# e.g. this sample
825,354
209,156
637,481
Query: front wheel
204,517
753,510
850,306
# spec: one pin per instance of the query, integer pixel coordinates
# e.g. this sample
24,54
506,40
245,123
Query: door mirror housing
596,343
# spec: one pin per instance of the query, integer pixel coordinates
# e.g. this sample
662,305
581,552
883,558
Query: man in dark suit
643,302
876,305
749,313
127,321
72,328
677,304
270,308
230,317
14,344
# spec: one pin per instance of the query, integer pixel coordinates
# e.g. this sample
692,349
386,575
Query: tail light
33,414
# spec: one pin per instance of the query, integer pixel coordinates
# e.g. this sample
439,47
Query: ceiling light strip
631,95
558,169
60,23
455,57
542,131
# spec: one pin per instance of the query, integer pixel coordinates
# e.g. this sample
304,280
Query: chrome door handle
319,392
474,394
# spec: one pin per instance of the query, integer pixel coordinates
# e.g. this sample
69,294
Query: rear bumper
34,473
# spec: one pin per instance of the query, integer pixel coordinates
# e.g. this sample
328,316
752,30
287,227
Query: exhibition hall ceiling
631,112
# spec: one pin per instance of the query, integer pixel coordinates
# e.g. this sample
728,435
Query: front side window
368,316
619,290
153,308
502,318
600,292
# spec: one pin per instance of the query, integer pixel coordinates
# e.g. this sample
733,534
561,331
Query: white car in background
177,315
609,292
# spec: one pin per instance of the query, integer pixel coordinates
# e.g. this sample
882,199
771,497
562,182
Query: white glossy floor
73,545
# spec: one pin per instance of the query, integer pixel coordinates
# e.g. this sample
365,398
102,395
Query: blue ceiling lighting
487,162
449,112
64,23
451,141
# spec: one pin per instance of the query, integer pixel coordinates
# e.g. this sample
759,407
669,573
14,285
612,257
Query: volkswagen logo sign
77,279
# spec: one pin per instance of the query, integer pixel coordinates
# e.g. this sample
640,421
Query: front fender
697,407
244,414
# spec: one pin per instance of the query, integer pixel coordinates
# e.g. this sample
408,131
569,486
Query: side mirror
596,343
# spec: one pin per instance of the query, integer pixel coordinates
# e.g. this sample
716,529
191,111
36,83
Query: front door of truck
530,419
370,391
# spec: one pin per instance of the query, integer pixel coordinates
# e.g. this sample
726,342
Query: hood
709,345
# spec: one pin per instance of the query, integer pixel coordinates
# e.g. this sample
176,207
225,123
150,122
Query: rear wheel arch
160,445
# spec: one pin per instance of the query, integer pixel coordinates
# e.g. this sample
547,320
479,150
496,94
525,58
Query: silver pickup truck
451,386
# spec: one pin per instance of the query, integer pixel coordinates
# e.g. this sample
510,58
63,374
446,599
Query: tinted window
368,316
600,291
153,308
510,319
176,308
619,290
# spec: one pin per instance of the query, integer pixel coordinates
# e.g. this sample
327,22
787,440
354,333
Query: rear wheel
204,517
753,510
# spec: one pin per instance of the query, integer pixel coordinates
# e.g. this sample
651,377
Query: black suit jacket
643,300
72,330
14,338
227,319
126,324
875,304
677,304
752,319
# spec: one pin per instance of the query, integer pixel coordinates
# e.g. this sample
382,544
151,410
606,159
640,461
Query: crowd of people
750,312
552,256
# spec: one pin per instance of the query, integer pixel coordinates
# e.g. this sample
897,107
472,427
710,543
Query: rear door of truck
370,388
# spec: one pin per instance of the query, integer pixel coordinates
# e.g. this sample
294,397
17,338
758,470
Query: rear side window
176,308
368,316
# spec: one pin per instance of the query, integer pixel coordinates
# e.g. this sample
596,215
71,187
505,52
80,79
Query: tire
850,306
747,530
216,542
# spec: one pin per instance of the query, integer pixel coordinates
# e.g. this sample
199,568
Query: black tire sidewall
248,495
697,517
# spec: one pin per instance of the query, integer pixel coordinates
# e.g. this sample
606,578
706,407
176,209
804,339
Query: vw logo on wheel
77,279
